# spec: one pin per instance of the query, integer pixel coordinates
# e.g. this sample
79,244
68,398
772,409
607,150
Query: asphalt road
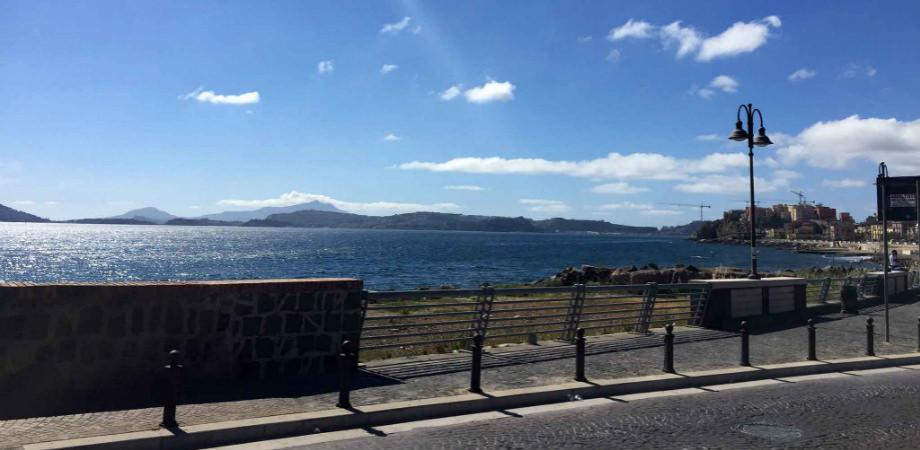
877,410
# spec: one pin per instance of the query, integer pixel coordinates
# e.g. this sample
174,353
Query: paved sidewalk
838,337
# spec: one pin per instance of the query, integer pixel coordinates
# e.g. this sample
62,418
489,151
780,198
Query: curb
274,427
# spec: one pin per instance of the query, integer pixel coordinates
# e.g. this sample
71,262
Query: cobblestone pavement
859,411
836,339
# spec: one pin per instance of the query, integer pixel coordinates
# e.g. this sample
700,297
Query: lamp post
740,134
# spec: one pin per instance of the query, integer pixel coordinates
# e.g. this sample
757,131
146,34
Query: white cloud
631,29
371,208
741,37
786,174
196,207
387,68
722,83
390,137
853,70
23,202
661,212
844,183
614,55
625,205
705,93
52,203
450,93
709,137
620,187
584,39
647,166
398,27
725,83
544,206
687,39
802,74
324,67
492,91
837,144
730,184
203,96
464,187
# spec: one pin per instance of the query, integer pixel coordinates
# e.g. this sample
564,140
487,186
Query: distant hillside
689,229
262,213
202,222
597,226
113,221
148,214
14,215
441,221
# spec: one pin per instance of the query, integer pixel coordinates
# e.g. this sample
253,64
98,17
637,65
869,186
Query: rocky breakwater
649,273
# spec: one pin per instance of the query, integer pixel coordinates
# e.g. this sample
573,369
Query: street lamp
761,141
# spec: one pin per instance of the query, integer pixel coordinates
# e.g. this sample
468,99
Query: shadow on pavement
18,405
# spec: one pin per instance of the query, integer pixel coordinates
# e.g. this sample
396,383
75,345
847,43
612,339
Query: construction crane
801,196
700,206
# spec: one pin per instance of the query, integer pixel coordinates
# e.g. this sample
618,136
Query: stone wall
114,335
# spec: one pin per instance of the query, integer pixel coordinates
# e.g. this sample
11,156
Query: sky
591,110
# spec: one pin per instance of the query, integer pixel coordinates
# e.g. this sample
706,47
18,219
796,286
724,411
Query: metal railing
443,320
824,290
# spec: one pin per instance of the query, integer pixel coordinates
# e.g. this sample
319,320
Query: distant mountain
148,214
441,221
113,221
689,229
598,226
202,223
14,215
262,213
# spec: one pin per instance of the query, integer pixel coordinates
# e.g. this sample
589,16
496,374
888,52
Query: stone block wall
115,335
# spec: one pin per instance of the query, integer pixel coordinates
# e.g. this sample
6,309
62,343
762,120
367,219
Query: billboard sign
897,197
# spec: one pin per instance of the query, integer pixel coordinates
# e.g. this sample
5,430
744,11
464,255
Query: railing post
825,288
346,366
918,334
573,315
870,337
365,300
812,352
484,311
745,346
648,307
171,390
669,348
476,372
580,355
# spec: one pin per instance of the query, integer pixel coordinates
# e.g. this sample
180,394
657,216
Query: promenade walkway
838,336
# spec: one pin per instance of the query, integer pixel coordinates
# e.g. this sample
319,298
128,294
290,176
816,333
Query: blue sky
599,110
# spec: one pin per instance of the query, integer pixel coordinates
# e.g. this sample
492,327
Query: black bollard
476,372
918,334
580,355
745,346
870,337
173,372
812,352
669,348
346,366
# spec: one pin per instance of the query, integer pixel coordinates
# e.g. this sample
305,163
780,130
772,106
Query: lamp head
739,134
762,140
